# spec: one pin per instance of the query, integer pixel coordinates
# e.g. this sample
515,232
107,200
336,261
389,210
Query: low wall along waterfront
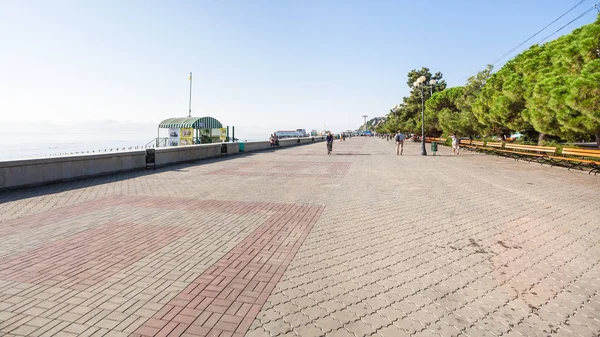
32,172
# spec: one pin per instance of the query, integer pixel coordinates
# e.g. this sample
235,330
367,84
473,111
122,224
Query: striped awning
191,122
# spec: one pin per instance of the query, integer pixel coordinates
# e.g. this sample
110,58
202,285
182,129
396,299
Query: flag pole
190,106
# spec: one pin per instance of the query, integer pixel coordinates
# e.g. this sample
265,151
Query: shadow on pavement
68,185
62,186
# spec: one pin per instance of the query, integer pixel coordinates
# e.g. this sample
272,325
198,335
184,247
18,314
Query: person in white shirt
399,138
455,144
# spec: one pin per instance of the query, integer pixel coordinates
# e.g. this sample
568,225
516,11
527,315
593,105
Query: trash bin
151,158
241,147
223,148
434,147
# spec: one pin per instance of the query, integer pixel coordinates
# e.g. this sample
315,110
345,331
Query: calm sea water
14,146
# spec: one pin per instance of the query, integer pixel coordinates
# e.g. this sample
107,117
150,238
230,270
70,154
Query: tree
473,87
545,104
584,96
548,90
441,111
468,124
500,104
407,116
559,84
410,115
483,105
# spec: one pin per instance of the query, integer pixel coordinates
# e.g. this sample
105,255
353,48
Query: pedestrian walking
329,143
399,138
455,144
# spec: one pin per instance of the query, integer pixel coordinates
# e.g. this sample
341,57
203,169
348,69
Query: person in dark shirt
329,143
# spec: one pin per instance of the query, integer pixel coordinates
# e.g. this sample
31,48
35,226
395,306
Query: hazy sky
258,65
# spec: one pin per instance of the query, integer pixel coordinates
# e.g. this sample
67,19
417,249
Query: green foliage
549,92
465,122
441,111
584,96
501,102
408,116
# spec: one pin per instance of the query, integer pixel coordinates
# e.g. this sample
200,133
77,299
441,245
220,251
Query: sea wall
40,171
182,154
256,146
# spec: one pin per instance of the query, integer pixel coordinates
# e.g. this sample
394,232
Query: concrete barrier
233,148
182,154
40,171
256,146
30,172
288,142
265,145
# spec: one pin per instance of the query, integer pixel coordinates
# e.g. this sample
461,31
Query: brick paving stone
87,258
292,242
232,282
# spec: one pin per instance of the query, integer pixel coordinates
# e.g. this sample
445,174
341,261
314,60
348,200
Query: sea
14,146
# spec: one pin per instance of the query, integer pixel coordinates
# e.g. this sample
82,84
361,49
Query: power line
570,22
497,60
538,32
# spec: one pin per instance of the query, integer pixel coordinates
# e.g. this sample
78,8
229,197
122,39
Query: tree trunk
541,139
598,138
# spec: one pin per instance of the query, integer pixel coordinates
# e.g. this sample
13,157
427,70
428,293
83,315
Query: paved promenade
293,242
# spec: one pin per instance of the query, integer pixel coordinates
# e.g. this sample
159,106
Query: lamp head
421,79
433,82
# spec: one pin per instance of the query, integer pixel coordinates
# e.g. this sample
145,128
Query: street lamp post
420,83
365,117
432,84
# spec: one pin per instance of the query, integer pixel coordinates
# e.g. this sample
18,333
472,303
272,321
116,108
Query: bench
540,154
477,144
492,146
579,158
433,139
466,143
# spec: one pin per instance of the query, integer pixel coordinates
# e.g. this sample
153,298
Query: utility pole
190,106
365,117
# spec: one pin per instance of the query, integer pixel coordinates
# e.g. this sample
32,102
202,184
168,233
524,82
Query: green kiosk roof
191,122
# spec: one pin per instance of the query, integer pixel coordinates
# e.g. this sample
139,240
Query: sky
258,65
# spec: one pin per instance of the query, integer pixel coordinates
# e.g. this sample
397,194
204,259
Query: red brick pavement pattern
18,225
83,259
86,258
226,298
288,169
58,215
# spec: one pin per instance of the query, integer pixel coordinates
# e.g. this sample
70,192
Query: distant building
285,134
291,134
